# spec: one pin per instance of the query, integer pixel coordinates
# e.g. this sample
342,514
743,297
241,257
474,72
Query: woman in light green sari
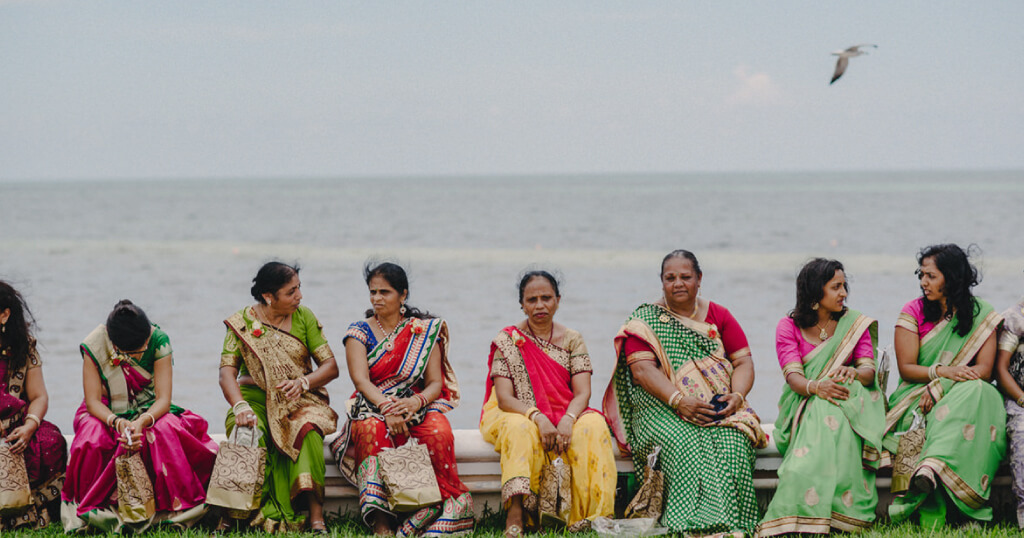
945,349
831,414
267,375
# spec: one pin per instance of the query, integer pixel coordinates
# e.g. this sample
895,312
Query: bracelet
110,420
30,416
423,400
151,417
304,381
572,416
674,399
241,406
740,394
933,372
815,391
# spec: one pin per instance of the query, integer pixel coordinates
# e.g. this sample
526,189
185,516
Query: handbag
15,494
236,482
408,477
908,452
555,492
649,501
135,500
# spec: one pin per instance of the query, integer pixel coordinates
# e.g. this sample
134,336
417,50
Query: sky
198,89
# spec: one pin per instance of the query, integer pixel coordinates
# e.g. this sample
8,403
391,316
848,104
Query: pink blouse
791,346
912,317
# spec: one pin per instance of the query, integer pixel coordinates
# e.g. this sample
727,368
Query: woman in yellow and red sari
398,360
536,409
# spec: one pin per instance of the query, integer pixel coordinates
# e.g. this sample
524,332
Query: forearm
229,385
866,376
743,376
799,384
653,380
324,374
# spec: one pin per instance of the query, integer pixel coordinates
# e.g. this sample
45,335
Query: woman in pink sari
536,413
23,404
126,376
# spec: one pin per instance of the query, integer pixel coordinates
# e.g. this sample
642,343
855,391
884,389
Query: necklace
538,340
823,335
388,344
266,319
693,315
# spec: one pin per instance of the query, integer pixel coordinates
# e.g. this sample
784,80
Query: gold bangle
572,416
304,381
531,412
151,417
674,399
30,416
815,391
110,420
933,372
740,394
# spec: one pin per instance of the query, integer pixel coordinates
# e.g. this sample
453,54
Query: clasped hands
702,413
398,411
555,438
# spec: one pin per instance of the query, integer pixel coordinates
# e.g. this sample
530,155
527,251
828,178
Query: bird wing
856,48
840,68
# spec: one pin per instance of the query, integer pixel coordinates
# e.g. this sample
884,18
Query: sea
187,250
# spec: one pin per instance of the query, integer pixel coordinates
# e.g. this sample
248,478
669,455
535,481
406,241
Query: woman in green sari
680,383
267,376
945,349
831,415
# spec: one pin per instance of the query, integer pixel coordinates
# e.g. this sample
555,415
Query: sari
708,470
293,430
47,453
177,450
830,452
965,432
542,377
1011,340
399,372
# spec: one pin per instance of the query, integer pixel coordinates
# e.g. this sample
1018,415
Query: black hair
397,279
270,278
810,288
127,326
681,253
16,339
960,275
540,273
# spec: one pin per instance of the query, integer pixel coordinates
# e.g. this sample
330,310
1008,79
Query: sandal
318,527
513,531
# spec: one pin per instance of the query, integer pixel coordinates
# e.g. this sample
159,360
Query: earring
402,310
814,306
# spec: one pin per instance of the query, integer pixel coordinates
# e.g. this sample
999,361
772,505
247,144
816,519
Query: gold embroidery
832,422
969,432
847,499
942,412
801,452
992,433
811,497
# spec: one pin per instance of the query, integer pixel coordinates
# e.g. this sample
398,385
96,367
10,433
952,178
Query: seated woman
267,375
23,404
398,360
126,374
831,415
1010,375
945,349
538,411
680,383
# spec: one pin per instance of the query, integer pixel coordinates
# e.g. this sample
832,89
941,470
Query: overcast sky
213,89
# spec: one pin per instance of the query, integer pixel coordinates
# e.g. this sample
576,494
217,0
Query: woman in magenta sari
23,404
126,377
398,360
536,411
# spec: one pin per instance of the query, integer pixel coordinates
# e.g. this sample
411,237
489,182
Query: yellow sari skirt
590,457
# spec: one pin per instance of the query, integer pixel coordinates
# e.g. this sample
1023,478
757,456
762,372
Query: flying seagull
844,58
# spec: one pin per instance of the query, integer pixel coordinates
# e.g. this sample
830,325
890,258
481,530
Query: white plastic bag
627,528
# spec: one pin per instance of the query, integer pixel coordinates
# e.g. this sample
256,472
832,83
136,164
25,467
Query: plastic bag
627,528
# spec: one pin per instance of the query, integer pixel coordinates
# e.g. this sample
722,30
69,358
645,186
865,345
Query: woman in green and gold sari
680,383
267,375
945,348
829,429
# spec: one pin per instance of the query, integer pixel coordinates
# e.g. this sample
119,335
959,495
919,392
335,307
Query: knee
517,425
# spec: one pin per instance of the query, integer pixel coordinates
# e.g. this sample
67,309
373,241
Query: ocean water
186,251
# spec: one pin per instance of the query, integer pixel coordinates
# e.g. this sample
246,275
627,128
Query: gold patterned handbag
15,494
135,500
555,494
650,500
237,478
908,452
409,477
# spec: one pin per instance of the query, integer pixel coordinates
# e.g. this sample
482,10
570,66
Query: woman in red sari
398,360
23,404
536,411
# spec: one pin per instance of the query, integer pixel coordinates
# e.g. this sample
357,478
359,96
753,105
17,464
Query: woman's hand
733,402
19,437
396,425
958,373
843,374
830,390
926,402
696,411
292,388
548,432
246,418
133,441
564,433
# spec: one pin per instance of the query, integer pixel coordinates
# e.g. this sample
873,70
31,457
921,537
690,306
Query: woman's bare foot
382,525
514,518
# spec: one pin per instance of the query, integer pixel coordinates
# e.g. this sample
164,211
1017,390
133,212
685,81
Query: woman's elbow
331,371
